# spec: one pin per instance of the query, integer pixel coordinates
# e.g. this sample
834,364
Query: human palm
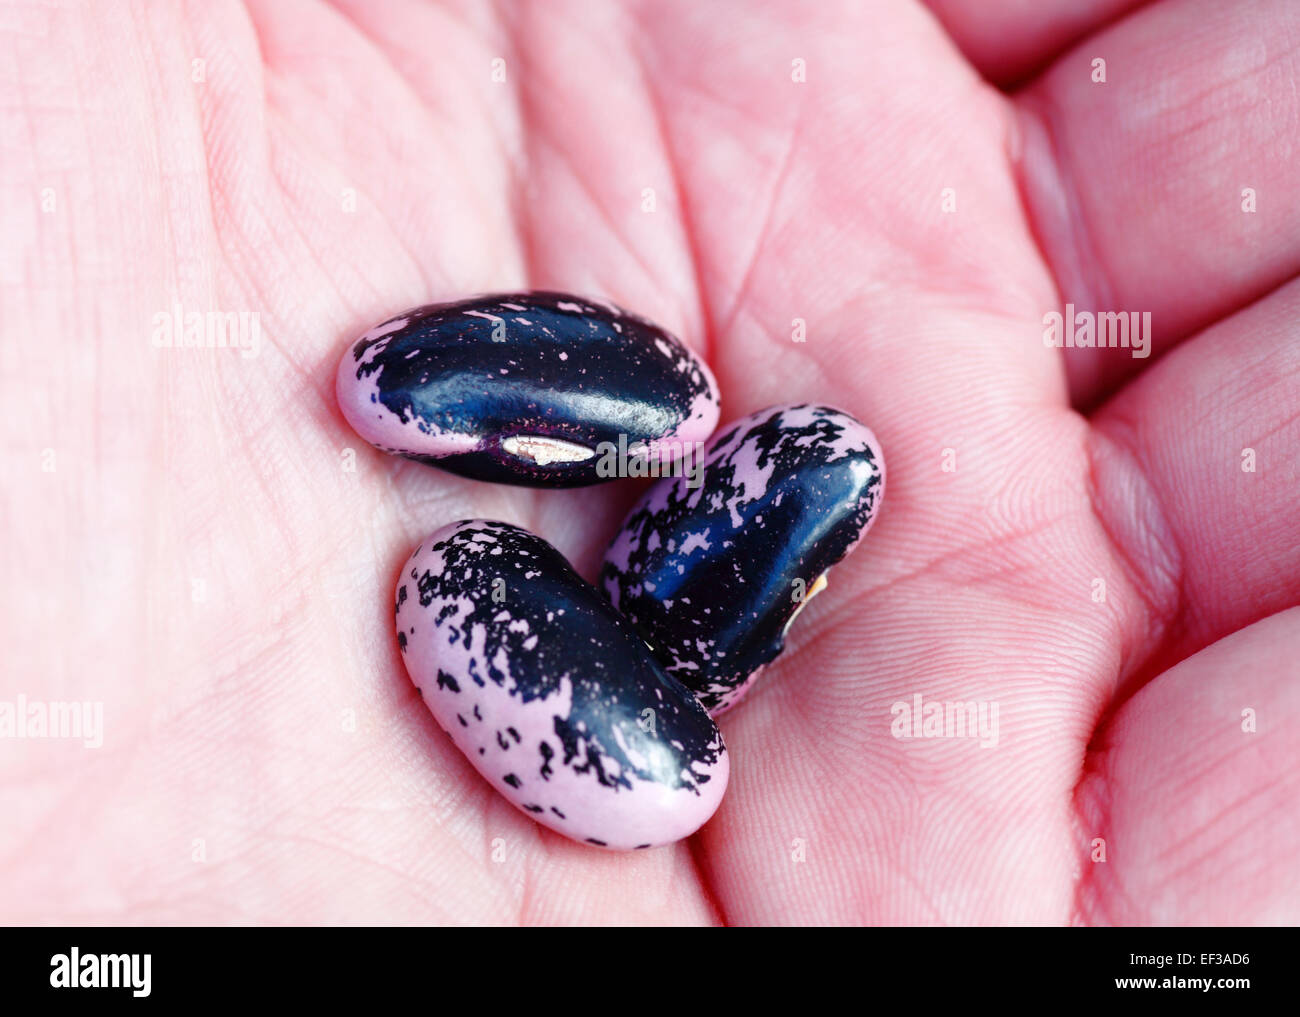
213,553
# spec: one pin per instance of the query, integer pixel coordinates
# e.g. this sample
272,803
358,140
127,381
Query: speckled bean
524,388
713,575
551,694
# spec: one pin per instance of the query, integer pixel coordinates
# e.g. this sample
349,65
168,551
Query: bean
713,569
525,388
550,694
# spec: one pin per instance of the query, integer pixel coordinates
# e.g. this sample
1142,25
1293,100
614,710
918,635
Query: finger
839,265
1194,475
1193,791
1161,189
395,189
1006,39
924,324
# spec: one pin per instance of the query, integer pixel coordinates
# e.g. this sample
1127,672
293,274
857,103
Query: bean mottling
551,694
713,575
524,388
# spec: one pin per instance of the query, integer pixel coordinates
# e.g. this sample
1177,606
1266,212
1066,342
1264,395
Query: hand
1070,535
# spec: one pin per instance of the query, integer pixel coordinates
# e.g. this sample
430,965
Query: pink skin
269,717
647,813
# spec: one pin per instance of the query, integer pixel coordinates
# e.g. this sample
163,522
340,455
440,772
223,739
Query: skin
266,728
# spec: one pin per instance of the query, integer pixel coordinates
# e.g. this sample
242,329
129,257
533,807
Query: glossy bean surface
713,575
550,694
525,388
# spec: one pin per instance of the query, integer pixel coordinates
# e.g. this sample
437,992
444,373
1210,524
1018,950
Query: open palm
832,205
